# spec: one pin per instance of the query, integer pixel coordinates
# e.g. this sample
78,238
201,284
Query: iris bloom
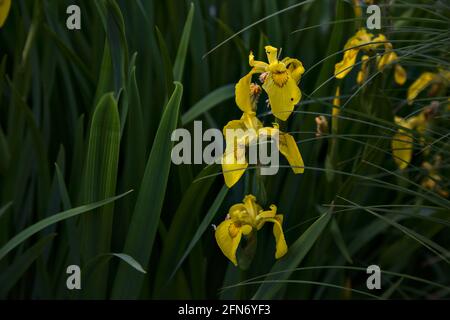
244,219
5,5
368,43
402,143
280,79
247,131
441,79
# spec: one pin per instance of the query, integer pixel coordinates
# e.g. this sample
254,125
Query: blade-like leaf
145,220
292,259
178,67
207,103
33,229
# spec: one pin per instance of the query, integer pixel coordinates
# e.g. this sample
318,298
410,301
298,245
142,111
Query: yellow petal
295,67
400,75
402,144
228,236
251,206
280,241
283,96
341,69
272,54
5,5
421,83
357,8
362,74
234,163
288,147
243,93
262,217
259,66
387,59
402,149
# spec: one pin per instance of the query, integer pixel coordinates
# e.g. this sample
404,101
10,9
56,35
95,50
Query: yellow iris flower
280,79
402,142
441,78
5,5
245,218
234,161
368,43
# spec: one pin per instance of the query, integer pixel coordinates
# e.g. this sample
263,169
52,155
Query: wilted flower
322,126
432,180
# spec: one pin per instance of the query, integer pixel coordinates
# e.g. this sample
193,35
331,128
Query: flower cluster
369,44
279,79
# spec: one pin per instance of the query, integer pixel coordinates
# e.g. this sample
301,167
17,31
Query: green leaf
14,272
340,242
33,229
145,220
203,226
5,208
207,103
103,258
292,259
178,67
100,178
167,63
101,175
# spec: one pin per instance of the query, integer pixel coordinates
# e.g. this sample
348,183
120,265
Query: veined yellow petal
421,83
399,74
243,93
288,147
228,236
295,67
283,96
5,5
